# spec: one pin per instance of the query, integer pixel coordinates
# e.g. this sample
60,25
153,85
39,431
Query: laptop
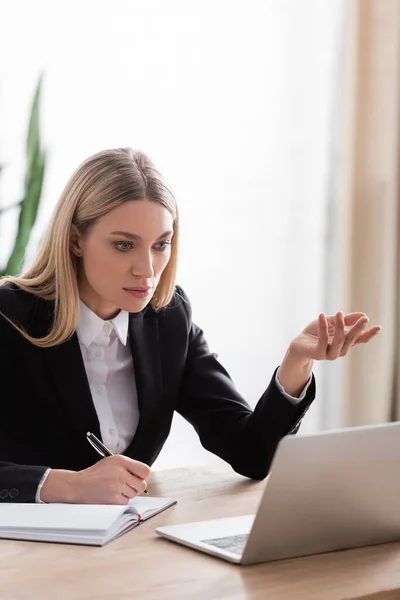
328,491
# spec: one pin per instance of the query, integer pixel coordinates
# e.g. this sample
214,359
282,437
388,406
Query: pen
100,447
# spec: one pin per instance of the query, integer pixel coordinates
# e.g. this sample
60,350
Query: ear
75,241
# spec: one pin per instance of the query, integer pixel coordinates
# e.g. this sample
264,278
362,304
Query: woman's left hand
328,338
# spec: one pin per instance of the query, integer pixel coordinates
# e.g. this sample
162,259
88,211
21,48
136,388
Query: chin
135,305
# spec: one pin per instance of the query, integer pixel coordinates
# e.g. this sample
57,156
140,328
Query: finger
129,492
338,338
141,470
353,335
323,335
118,497
368,335
349,319
128,487
138,485
352,318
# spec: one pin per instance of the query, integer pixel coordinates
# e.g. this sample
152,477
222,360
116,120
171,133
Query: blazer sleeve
247,439
19,483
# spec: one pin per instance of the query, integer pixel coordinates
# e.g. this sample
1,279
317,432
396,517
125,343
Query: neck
98,305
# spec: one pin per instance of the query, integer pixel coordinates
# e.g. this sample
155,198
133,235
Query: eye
123,246
161,246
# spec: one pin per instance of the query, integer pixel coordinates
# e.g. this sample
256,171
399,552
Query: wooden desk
141,565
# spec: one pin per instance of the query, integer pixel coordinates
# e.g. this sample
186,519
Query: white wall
233,101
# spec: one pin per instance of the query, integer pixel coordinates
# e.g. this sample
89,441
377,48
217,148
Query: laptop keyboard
232,543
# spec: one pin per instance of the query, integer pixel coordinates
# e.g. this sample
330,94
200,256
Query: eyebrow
133,236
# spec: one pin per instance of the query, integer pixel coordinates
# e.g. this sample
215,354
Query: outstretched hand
330,337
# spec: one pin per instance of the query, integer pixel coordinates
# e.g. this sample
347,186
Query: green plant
29,205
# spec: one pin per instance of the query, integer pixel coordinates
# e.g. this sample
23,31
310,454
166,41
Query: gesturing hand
328,338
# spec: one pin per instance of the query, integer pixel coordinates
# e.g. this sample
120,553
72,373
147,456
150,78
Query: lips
140,292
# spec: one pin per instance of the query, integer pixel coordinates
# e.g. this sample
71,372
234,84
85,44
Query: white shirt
110,372
111,375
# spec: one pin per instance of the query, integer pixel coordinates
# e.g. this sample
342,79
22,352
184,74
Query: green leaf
33,137
35,169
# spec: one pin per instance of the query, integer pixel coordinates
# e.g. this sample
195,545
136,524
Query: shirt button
97,353
99,390
111,431
108,328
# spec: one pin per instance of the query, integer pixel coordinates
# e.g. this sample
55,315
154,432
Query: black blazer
46,406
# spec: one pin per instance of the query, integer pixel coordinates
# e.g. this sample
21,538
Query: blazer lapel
144,342
66,371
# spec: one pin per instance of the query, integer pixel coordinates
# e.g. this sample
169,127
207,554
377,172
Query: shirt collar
90,325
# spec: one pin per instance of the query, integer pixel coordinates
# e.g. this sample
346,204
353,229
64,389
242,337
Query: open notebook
92,524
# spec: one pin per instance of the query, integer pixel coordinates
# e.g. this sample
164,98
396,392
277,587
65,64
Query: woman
96,337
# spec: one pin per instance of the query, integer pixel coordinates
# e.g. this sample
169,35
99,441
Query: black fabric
46,406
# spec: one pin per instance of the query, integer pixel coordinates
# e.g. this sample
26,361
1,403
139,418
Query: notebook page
149,505
56,517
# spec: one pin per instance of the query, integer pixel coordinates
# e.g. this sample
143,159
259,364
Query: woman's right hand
112,480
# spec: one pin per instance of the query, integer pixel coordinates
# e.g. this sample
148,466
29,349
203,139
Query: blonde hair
101,183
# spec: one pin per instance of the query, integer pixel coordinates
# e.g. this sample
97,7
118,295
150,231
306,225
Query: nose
143,265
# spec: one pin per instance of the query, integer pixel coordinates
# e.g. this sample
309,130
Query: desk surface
142,565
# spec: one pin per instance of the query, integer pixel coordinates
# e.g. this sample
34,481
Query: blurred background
275,123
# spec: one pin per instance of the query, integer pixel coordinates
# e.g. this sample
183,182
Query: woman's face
123,257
